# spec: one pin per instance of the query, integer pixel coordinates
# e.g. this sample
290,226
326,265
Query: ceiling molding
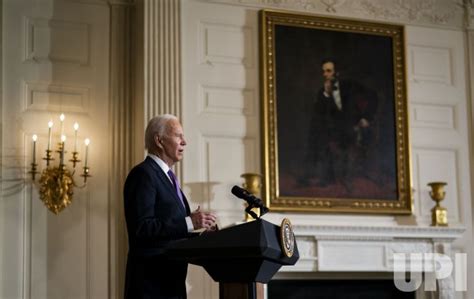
416,12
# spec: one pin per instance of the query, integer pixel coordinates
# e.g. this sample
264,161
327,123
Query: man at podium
157,213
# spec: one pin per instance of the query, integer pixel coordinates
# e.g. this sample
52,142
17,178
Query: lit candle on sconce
35,137
61,118
87,141
76,128
50,125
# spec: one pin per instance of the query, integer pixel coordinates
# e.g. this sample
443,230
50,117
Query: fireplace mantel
361,232
366,248
362,248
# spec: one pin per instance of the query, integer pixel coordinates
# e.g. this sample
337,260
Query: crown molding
438,13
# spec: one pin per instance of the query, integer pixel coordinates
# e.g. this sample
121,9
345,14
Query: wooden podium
237,257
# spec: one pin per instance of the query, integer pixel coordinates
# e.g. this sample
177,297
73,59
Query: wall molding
366,232
78,35
162,61
59,97
423,12
121,138
160,65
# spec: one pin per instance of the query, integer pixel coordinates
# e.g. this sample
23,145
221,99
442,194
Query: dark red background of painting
361,57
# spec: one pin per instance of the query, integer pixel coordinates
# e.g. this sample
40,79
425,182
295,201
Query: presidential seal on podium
287,238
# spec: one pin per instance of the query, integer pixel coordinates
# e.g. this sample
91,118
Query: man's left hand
363,123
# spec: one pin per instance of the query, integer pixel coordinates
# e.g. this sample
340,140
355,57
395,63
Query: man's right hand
328,87
363,123
203,219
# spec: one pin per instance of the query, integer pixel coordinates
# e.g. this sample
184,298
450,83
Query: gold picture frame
334,143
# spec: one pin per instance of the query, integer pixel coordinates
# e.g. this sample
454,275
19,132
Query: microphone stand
263,210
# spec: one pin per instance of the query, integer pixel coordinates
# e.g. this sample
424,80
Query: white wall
55,60
220,110
440,126
221,118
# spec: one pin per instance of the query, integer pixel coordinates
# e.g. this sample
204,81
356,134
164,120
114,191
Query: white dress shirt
336,95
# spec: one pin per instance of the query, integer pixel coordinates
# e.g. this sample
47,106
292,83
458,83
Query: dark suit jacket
329,124
155,217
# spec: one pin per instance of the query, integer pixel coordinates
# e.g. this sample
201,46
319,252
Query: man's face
173,143
329,71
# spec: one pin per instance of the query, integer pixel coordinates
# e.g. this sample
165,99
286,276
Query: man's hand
203,219
328,87
363,123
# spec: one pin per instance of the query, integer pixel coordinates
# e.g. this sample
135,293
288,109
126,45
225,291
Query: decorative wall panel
430,64
56,41
224,153
225,43
435,66
432,116
340,256
227,100
47,96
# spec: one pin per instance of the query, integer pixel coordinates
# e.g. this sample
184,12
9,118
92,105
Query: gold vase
439,215
252,183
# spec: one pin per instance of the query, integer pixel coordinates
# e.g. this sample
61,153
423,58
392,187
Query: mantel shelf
325,232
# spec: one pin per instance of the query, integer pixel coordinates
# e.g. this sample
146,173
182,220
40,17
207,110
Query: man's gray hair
156,126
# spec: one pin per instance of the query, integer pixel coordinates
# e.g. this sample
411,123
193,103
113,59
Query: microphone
247,196
252,201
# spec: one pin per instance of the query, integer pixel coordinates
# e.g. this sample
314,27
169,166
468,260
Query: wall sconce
57,182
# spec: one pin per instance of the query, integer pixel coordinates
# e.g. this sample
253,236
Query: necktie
176,186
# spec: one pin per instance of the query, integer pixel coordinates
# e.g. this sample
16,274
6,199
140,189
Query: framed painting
335,124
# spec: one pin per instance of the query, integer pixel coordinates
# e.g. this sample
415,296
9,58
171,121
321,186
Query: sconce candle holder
74,159
56,183
48,157
33,170
439,214
85,173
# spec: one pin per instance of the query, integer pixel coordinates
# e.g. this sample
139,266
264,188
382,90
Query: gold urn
439,214
252,183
